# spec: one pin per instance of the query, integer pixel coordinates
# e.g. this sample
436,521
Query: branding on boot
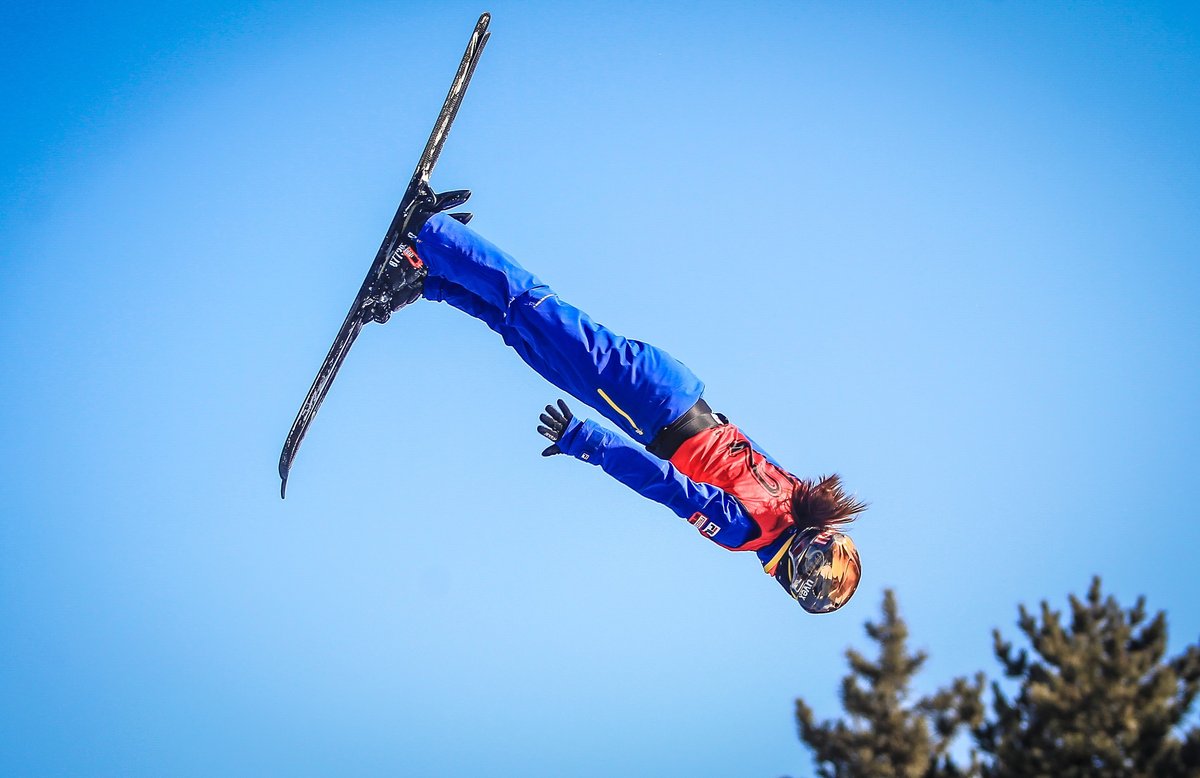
406,253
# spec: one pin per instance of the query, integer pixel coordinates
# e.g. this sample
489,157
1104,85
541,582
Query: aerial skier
682,454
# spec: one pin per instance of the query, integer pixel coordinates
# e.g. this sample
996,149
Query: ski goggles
820,570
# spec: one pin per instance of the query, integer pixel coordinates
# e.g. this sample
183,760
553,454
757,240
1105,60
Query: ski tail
359,314
458,87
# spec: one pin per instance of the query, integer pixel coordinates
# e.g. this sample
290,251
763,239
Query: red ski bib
723,457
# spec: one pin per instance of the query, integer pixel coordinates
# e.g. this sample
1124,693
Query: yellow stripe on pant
617,408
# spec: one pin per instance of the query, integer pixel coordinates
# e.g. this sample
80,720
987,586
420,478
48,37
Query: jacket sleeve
716,513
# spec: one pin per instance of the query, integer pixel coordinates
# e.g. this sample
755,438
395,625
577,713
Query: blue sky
946,249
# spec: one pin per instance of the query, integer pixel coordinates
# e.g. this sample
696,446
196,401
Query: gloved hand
555,421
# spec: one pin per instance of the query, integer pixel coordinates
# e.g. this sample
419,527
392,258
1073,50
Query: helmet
820,569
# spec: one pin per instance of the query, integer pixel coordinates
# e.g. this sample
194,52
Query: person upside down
690,459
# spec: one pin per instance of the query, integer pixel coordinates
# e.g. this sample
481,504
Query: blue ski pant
636,386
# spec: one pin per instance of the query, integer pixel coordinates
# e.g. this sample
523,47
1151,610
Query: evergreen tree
885,736
1096,699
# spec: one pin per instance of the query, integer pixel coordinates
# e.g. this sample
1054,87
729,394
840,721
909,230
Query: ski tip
285,466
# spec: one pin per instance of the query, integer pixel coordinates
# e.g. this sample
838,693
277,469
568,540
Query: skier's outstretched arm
722,518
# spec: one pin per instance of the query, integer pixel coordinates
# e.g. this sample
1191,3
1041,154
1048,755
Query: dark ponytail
824,503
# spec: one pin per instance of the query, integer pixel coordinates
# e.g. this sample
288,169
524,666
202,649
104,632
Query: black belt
695,420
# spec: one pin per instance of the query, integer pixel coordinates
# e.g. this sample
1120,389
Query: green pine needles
885,736
1093,695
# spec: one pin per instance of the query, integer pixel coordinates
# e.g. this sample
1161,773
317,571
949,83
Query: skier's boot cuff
461,217
404,276
428,203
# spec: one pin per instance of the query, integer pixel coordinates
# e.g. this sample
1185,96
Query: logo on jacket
768,482
706,527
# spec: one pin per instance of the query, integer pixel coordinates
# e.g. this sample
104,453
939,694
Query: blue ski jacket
638,387
659,480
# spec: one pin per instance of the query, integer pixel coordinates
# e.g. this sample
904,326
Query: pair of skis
374,297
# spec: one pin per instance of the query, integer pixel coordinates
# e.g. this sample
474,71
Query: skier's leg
456,256
469,303
638,387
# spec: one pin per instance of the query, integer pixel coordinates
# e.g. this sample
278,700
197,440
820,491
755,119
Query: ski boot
403,276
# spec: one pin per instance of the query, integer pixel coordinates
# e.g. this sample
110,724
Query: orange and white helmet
820,570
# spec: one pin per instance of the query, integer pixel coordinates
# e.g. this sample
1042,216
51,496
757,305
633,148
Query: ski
374,296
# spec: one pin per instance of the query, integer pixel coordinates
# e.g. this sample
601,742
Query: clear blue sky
946,249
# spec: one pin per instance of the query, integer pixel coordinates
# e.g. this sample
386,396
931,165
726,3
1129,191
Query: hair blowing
824,503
